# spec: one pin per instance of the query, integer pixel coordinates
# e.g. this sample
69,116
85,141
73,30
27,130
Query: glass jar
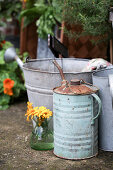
42,137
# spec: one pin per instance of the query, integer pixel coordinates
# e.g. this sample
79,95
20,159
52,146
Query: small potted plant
86,22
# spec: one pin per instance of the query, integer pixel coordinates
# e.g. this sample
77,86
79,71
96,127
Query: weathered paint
67,89
75,130
101,79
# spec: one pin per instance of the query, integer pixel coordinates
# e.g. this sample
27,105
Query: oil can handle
99,109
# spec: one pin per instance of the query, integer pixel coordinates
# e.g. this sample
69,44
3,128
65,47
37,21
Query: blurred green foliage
12,71
92,15
10,8
45,13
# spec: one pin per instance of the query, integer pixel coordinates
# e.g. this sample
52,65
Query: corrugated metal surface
74,136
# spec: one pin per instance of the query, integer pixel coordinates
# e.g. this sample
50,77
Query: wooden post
23,37
23,32
28,38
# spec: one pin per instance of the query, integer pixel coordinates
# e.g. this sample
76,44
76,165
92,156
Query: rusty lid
75,87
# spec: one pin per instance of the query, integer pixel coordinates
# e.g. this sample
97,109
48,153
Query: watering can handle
57,47
100,105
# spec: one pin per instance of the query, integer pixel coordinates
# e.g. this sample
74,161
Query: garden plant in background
91,16
42,135
9,8
45,13
11,78
9,14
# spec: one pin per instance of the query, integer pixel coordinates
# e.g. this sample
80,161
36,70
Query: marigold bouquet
42,135
38,114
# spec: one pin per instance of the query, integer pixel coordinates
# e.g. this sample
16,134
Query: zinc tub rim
50,72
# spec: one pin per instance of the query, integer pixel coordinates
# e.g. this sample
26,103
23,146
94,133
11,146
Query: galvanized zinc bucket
75,118
41,76
103,79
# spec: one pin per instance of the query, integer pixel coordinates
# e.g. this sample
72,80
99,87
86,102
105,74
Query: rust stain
74,89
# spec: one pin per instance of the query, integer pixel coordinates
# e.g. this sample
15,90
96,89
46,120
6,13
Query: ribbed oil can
75,119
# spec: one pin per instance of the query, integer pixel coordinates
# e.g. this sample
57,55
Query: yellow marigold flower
29,105
30,111
41,113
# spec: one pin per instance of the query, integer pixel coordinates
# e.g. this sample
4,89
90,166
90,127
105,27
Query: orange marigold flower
8,91
29,105
30,111
8,83
3,42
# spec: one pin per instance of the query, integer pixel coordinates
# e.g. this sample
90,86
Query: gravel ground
16,154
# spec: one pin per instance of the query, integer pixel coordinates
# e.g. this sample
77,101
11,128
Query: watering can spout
10,55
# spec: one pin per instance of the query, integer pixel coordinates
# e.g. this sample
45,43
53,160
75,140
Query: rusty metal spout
60,70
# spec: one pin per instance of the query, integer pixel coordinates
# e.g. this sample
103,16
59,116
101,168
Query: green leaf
7,45
35,11
3,76
1,57
1,87
12,66
4,99
16,92
4,107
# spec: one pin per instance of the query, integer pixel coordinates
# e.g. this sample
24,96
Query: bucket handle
100,105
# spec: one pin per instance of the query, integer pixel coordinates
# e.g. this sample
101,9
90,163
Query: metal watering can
56,47
10,55
76,108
